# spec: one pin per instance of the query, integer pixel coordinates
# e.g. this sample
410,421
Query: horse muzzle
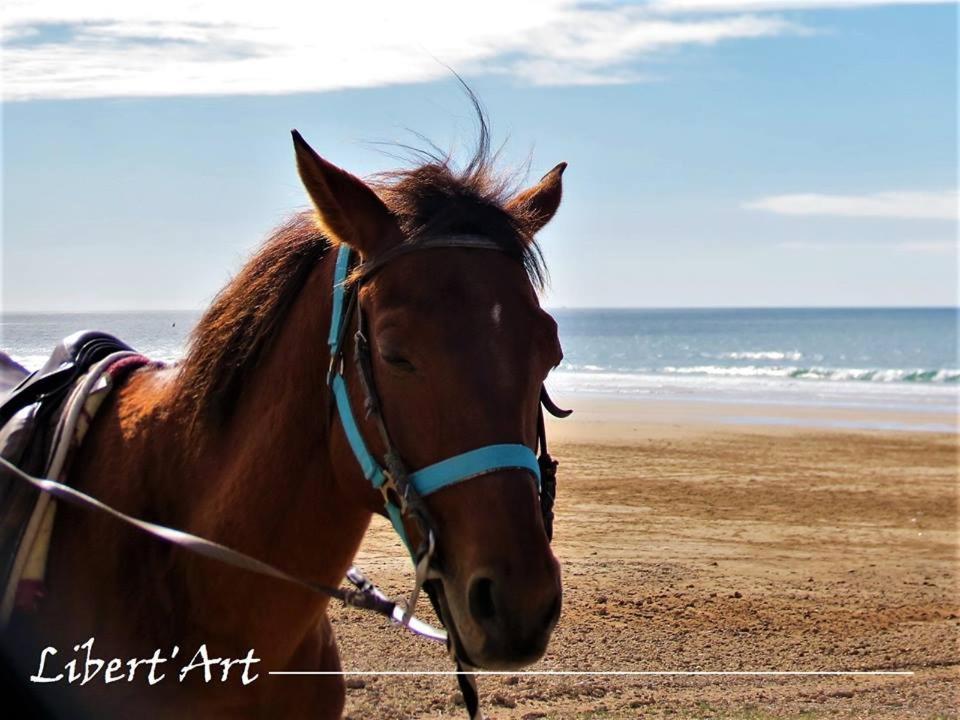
501,621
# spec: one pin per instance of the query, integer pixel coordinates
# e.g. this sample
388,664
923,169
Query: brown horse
239,444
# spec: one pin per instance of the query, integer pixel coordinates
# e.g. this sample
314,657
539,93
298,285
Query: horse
240,443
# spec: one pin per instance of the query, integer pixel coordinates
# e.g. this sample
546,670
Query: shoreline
608,419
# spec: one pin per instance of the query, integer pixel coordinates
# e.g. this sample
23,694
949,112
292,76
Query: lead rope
468,688
466,678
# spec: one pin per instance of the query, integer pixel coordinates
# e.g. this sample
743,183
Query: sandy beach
710,537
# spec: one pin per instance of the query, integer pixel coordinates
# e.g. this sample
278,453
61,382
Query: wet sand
691,542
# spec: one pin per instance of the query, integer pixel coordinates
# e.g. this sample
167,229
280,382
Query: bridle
404,491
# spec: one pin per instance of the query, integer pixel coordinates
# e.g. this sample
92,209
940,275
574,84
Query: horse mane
232,335
434,198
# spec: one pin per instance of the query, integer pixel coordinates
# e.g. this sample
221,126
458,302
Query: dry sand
689,544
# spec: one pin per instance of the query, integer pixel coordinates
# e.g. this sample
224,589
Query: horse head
458,350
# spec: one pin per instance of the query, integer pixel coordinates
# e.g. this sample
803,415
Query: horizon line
132,311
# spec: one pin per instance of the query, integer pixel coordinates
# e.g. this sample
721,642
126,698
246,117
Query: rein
366,596
403,491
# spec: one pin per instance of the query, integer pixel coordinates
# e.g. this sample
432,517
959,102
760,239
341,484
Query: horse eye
397,361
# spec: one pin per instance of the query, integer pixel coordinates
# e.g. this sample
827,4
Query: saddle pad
40,437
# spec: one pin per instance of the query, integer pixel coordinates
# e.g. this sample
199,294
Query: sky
721,152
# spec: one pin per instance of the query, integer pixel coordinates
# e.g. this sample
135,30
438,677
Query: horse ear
348,211
539,203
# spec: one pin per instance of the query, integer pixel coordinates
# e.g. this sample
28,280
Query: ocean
902,359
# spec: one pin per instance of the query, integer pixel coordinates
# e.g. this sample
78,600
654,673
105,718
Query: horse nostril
481,599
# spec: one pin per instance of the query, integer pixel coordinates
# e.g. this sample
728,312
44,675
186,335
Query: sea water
891,358
894,358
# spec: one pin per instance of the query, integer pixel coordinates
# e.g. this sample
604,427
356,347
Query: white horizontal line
623,673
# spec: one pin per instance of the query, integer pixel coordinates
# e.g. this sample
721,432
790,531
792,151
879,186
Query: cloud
940,205
595,47
756,6
114,48
118,48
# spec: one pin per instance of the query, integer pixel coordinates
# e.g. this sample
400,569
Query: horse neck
277,493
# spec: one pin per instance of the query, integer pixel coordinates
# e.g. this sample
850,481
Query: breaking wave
787,372
943,375
793,355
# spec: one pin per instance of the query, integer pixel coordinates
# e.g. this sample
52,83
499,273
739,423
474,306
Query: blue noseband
428,480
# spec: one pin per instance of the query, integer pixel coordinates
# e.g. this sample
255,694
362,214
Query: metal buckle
336,367
360,340
391,492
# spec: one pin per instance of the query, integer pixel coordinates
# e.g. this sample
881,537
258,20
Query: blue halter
428,480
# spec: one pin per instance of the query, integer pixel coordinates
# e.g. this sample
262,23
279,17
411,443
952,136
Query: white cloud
104,48
592,47
751,6
940,205
118,48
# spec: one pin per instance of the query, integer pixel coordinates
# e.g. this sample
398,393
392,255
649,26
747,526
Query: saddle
43,417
